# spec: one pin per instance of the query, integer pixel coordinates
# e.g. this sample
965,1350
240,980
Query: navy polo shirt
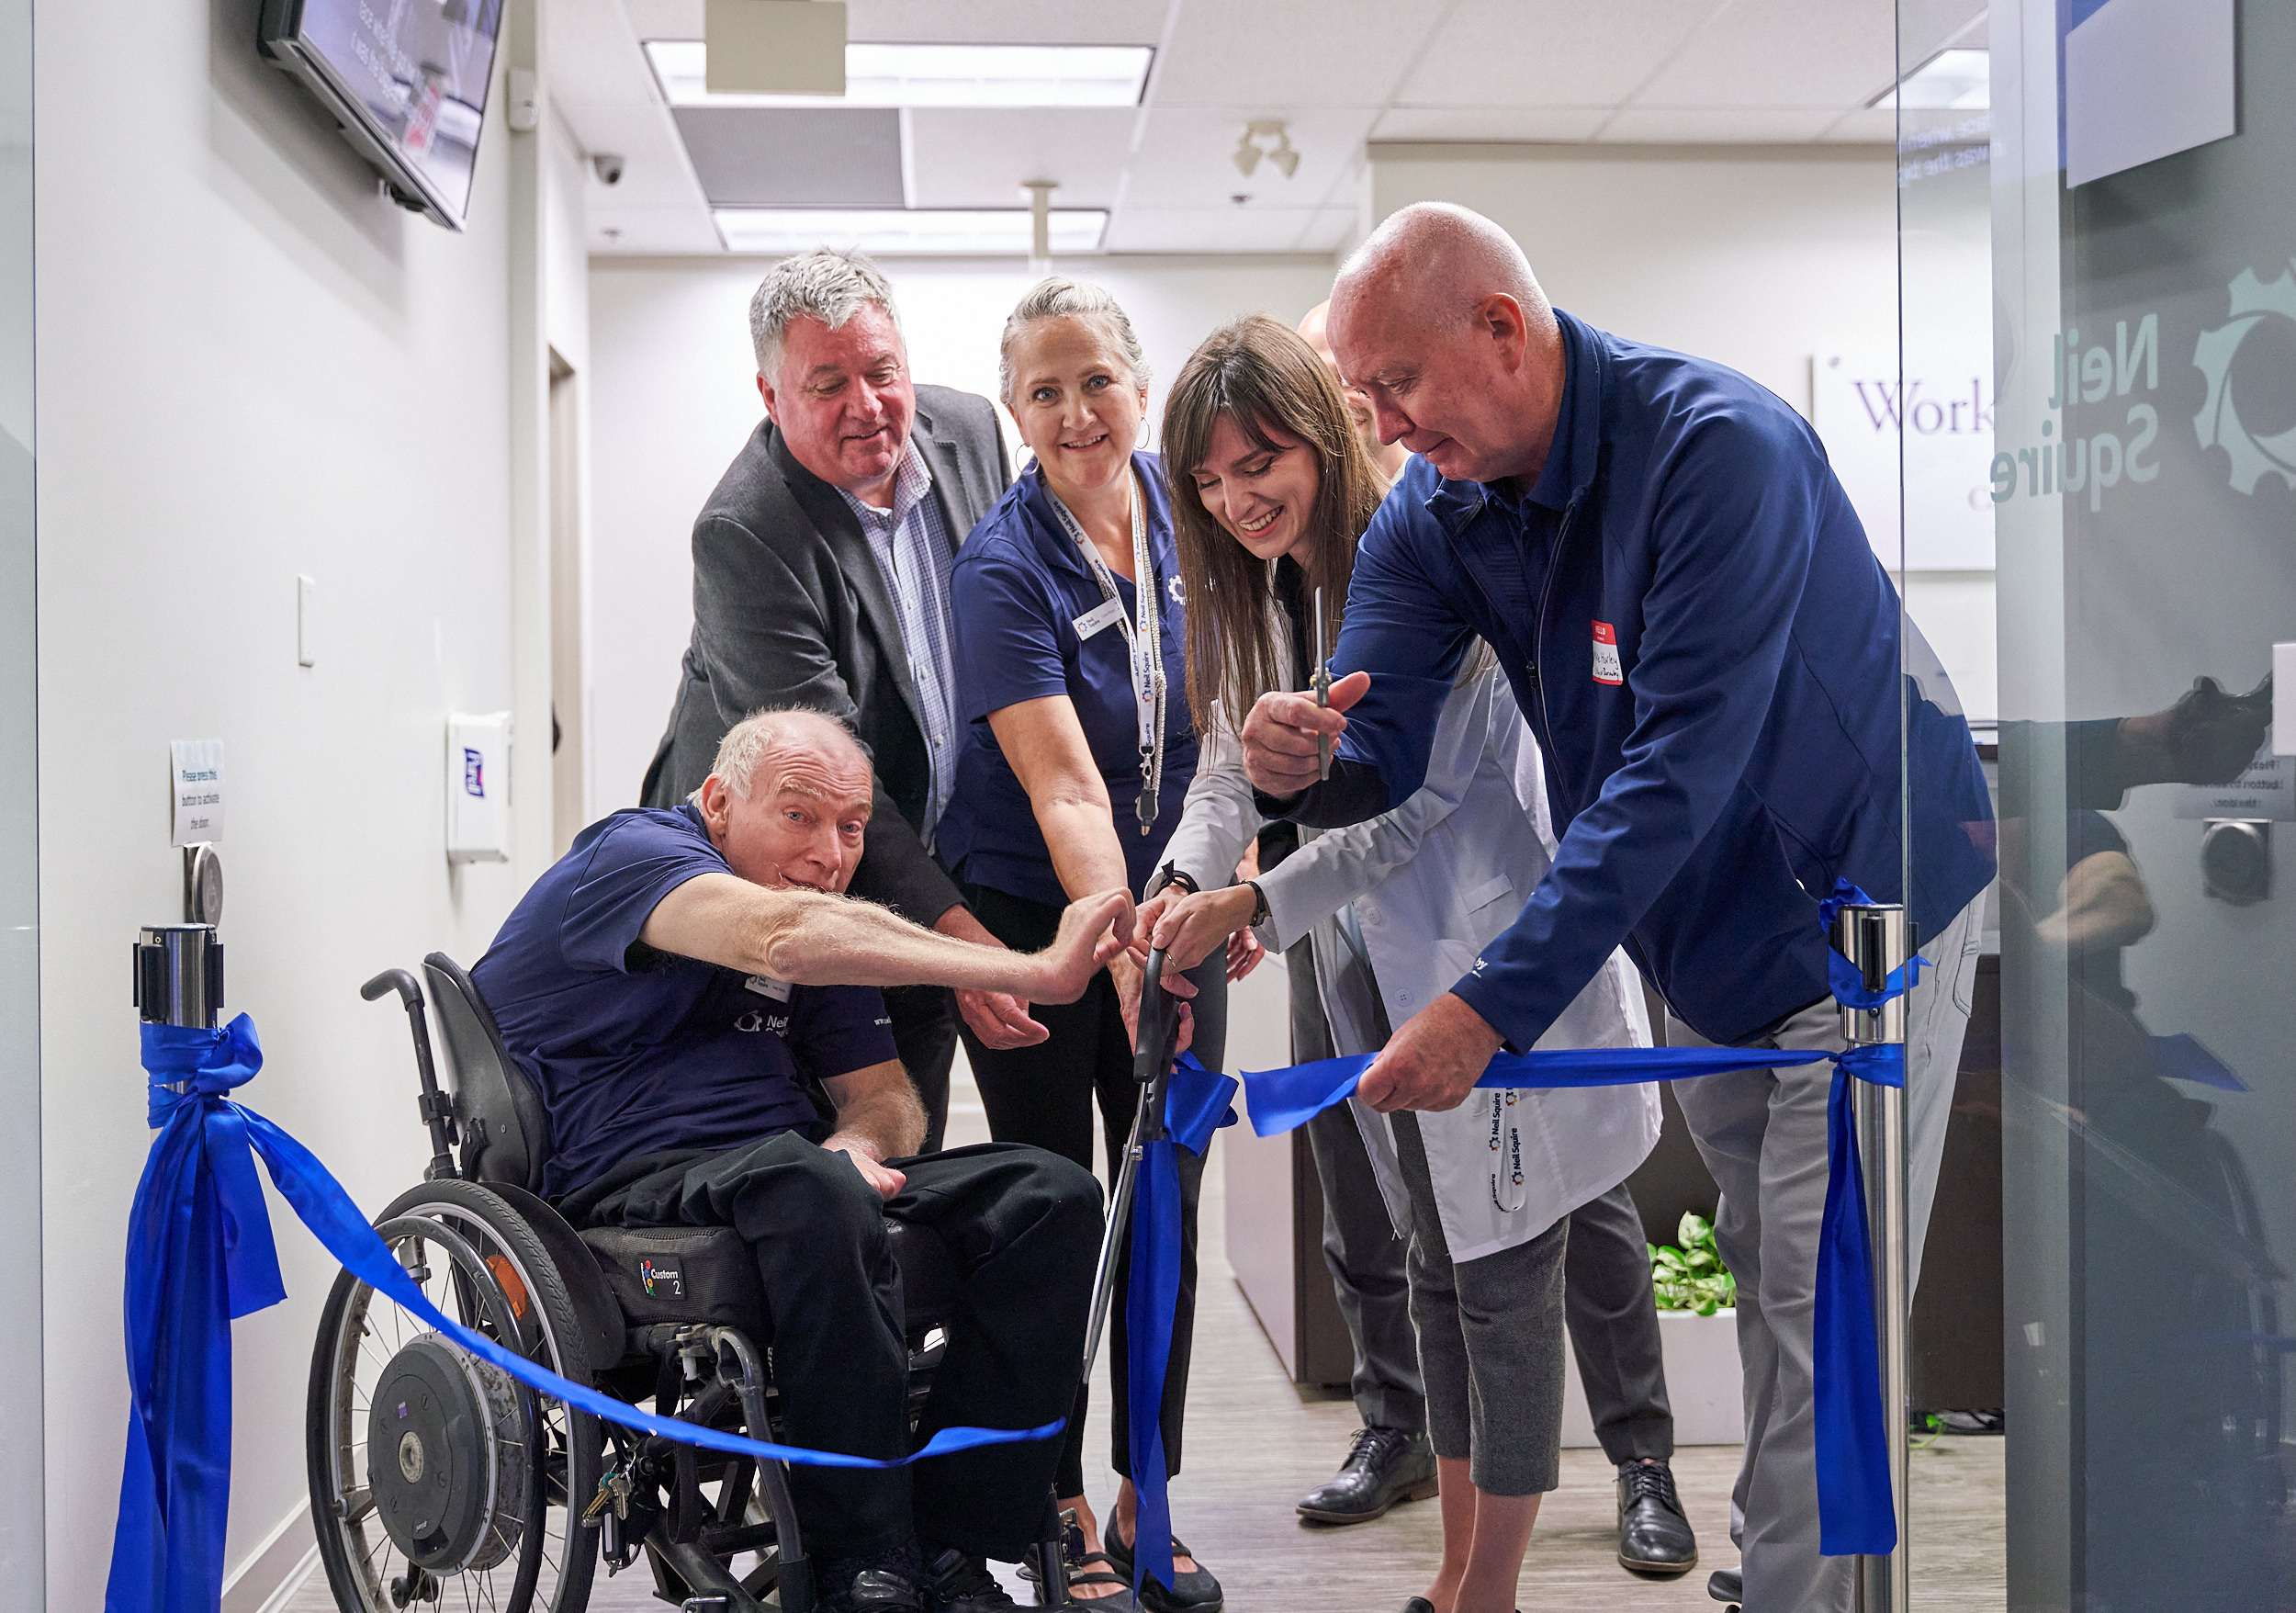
636,1051
1019,586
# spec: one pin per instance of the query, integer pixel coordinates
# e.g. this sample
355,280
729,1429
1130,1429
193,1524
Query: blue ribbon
1855,1515
1196,1103
199,1254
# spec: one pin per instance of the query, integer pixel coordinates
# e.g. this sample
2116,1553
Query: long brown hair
1258,373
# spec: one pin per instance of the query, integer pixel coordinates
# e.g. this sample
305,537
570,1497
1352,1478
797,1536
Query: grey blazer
790,609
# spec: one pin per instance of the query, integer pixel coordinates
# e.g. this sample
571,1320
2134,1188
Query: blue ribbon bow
1855,1516
200,1254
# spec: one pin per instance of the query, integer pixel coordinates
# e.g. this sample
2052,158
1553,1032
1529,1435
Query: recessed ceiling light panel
1958,81
935,75
896,232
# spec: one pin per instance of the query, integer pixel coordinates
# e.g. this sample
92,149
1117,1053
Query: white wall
249,367
1757,257
674,395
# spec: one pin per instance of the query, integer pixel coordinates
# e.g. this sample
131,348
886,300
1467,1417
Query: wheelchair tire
483,1264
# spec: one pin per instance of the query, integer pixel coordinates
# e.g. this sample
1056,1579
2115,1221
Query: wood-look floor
1256,1443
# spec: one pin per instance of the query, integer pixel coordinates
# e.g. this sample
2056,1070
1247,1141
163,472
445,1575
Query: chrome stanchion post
179,975
1874,937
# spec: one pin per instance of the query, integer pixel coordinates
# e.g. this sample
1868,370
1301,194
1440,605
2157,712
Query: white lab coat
1433,882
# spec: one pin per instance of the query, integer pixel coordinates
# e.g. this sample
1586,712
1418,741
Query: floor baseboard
276,1569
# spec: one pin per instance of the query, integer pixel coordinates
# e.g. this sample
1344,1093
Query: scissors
1322,683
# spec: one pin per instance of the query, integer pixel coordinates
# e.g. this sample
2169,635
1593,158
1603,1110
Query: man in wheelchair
677,987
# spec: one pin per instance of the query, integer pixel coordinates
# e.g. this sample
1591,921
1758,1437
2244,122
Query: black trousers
925,1040
1045,1095
1608,1305
1025,1226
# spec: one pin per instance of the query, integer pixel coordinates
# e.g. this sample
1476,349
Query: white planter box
1702,1383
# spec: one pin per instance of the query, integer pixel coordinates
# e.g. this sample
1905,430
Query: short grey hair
829,283
1055,298
747,742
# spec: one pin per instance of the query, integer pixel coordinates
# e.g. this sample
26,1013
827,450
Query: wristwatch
1259,904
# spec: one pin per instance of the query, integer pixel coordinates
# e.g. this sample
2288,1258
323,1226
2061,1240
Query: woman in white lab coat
1262,461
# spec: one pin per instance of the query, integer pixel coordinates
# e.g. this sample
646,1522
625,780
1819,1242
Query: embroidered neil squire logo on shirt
1607,654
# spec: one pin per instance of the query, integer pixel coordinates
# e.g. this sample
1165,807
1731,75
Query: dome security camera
608,167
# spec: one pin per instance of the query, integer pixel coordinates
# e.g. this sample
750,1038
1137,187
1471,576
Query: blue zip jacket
1708,652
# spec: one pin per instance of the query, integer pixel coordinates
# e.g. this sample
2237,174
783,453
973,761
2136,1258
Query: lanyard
1143,644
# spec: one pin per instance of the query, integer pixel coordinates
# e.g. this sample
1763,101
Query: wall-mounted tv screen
407,79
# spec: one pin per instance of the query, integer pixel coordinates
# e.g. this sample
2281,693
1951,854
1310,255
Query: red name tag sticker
1607,654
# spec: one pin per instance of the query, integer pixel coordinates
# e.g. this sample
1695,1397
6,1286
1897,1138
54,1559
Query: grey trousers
1490,1341
1614,1321
1763,1136
1361,1248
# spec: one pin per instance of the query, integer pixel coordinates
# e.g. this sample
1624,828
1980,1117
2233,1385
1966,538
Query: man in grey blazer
821,579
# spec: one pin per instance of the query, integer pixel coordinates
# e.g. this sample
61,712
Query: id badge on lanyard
1143,644
1506,1135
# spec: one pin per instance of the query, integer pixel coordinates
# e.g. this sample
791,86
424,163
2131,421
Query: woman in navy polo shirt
1076,762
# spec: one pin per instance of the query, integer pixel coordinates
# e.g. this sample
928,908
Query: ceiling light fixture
1959,81
914,232
1248,151
934,75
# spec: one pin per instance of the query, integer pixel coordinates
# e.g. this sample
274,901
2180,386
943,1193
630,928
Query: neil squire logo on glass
2253,301
474,782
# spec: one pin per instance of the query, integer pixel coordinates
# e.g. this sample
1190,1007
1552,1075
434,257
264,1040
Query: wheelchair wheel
436,1478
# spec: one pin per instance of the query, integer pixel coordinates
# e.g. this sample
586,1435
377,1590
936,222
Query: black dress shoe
1384,1466
962,1584
1654,1538
1727,1585
878,1590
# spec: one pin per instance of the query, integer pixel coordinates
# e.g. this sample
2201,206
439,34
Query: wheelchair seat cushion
706,1274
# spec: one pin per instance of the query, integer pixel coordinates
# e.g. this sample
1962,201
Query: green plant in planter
1692,1278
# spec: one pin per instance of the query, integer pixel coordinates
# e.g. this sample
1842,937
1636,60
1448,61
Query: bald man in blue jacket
1728,696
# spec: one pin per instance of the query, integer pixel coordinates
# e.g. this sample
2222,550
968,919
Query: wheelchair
436,1478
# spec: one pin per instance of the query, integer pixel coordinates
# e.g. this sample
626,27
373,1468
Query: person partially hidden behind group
672,987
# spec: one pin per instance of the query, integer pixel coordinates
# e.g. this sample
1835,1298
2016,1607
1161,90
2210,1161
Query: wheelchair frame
529,1495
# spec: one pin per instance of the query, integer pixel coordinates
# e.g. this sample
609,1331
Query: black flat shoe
1384,1466
1082,1573
1727,1585
1194,1591
1654,1538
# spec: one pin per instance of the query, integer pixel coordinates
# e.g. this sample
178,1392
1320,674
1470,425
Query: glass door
2142,485
22,1526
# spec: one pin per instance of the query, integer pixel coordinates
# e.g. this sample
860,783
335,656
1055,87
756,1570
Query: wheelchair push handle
398,980
436,1108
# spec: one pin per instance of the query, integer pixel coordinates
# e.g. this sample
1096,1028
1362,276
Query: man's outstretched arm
808,938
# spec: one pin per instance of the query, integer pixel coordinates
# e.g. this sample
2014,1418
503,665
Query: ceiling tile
1771,54
1188,158
1220,229
668,19
1549,53
1332,230
980,159
1292,52
1714,126
773,157
1490,123
617,230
